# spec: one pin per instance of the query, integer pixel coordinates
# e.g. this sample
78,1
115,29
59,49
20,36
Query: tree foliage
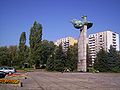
108,61
35,39
4,57
56,61
47,49
13,53
101,61
60,60
113,60
22,49
71,61
50,63
88,57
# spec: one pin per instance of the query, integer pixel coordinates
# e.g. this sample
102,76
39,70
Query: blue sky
17,16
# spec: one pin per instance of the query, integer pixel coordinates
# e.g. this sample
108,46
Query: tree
101,61
27,56
51,62
113,60
59,62
75,50
71,61
47,50
108,61
13,52
88,57
35,44
22,49
5,59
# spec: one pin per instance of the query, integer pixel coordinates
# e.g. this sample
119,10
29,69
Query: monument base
82,66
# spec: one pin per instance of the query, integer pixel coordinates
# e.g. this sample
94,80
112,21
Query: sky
17,16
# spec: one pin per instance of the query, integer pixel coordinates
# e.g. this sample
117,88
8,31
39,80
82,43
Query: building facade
102,40
66,42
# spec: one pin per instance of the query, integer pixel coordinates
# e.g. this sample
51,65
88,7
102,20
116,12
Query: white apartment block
67,41
102,40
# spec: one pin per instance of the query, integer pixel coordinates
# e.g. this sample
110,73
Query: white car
8,70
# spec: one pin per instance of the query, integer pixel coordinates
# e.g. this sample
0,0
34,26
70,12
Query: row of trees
40,53
43,53
51,56
108,61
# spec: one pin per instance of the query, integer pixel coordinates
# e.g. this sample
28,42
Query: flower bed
8,81
11,82
14,75
13,79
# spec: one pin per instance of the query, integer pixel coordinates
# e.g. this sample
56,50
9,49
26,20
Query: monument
82,42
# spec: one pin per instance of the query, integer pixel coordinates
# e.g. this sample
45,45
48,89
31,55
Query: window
100,36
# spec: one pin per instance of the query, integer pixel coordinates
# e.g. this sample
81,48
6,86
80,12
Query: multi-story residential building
102,40
67,41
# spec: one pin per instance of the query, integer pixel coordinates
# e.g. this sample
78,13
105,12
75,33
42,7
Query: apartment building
102,40
67,41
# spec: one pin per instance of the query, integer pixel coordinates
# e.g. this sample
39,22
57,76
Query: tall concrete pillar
82,42
82,49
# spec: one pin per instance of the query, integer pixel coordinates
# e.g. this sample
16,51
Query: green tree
35,44
101,61
47,49
50,62
113,60
22,49
108,61
27,57
5,59
71,61
13,52
89,59
60,59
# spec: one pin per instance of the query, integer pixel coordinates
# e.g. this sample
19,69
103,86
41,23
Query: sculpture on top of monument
78,24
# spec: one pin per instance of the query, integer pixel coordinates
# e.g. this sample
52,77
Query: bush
92,70
116,69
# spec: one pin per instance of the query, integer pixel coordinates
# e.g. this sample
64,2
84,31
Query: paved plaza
68,81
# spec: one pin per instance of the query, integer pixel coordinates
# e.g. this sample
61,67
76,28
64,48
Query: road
70,81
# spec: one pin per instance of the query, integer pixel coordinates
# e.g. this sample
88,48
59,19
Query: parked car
2,74
8,70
